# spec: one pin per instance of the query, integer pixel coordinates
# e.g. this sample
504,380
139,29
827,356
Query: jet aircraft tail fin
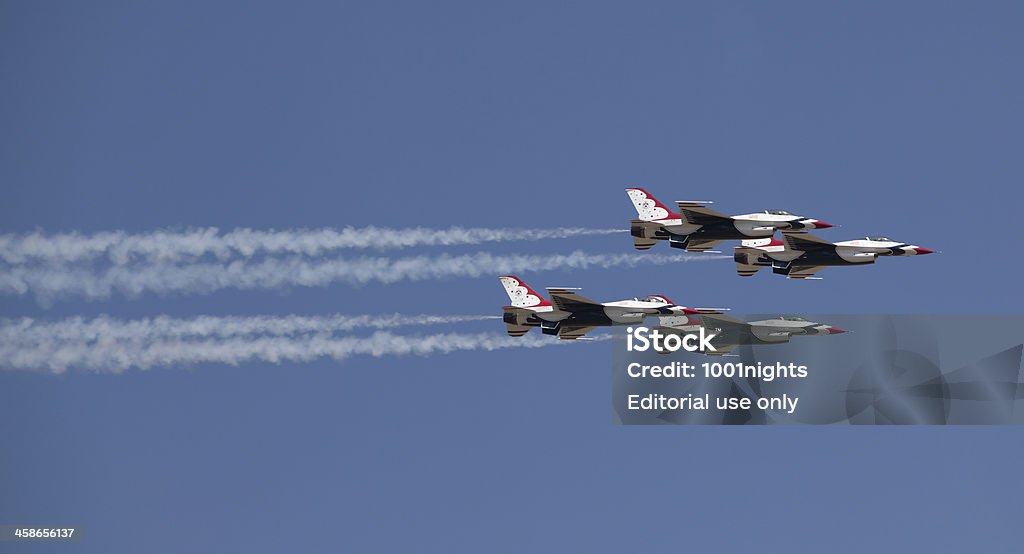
649,208
521,295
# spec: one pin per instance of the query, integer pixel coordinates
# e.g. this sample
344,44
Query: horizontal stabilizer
643,244
519,316
747,270
517,330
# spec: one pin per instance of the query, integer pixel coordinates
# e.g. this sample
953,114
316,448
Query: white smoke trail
48,283
120,247
111,356
27,330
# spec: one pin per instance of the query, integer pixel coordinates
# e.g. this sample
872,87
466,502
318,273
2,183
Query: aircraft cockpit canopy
652,298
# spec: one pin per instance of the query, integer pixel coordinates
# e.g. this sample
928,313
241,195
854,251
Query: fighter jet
571,316
801,256
730,332
700,228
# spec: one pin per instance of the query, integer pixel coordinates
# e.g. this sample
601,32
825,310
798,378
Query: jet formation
695,227
799,255
570,316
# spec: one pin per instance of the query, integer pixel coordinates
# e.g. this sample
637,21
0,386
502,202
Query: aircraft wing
804,271
805,242
728,330
711,319
567,300
721,350
770,334
572,332
698,245
697,213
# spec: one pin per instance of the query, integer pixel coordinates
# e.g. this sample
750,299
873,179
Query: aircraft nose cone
835,330
821,225
920,250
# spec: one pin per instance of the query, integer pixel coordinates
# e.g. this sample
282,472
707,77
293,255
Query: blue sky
901,119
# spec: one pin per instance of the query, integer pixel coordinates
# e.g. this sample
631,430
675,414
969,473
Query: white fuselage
779,330
746,225
765,330
620,312
852,251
